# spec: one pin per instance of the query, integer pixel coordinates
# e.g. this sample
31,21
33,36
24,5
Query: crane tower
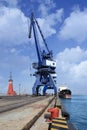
45,67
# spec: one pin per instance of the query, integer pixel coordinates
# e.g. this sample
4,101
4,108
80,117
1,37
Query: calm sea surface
77,108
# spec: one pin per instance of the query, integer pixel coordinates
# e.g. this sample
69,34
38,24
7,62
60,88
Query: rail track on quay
8,103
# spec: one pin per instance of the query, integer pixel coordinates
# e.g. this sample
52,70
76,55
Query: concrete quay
19,118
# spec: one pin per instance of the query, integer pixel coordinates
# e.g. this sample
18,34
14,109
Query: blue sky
64,25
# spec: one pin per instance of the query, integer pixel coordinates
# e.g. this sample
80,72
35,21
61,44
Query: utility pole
19,88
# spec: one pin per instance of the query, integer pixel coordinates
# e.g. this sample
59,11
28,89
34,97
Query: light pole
19,88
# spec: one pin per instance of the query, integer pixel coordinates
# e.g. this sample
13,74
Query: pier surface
18,118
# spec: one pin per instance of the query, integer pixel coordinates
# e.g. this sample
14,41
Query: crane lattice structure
45,68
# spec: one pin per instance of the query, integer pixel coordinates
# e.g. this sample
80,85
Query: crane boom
32,25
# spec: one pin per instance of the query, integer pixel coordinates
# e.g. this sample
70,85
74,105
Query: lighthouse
10,91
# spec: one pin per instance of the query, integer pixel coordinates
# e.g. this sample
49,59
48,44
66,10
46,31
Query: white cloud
80,70
45,7
73,55
47,24
75,26
49,20
46,28
55,17
72,69
13,26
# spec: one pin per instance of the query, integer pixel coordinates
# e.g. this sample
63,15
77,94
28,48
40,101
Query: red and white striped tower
10,91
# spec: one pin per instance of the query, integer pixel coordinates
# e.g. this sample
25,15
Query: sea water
77,108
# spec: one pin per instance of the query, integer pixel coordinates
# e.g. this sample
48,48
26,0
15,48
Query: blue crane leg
46,87
36,84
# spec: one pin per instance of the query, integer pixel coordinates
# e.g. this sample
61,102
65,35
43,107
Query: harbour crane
45,67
